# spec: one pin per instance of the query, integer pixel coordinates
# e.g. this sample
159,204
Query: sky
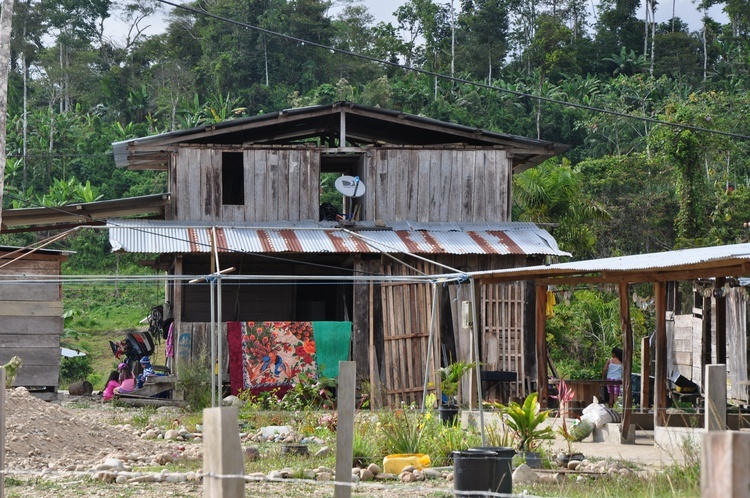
382,10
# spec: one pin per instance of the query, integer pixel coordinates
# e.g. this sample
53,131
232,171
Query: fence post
2,432
222,454
345,428
716,397
724,465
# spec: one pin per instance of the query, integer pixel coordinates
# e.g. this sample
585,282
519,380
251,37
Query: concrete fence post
222,454
345,428
716,397
724,465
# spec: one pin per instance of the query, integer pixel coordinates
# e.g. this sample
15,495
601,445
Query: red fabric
234,340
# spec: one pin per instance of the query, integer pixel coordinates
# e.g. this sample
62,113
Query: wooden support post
345,429
660,380
724,465
2,432
706,336
627,363
716,397
541,345
645,374
721,322
222,454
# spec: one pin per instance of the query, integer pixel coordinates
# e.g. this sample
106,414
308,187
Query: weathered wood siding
279,184
31,319
283,184
437,185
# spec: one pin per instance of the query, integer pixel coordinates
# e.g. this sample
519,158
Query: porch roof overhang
88,213
685,264
165,237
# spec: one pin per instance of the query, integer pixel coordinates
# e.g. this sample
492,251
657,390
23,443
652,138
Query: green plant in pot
525,422
450,377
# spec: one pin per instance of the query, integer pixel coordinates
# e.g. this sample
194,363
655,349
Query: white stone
524,475
171,434
323,452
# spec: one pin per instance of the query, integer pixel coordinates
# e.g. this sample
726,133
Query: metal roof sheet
154,236
684,259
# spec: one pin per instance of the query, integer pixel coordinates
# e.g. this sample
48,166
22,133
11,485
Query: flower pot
532,458
448,414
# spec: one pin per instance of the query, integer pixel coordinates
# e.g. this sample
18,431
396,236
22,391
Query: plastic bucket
477,470
503,466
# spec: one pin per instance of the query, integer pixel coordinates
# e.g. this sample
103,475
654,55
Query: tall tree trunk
25,105
453,43
705,48
6,16
653,36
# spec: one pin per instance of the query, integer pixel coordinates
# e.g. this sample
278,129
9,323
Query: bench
499,377
157,390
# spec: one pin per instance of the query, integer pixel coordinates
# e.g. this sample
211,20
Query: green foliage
75,369
526,423
195,382
403,430
310,394
450,377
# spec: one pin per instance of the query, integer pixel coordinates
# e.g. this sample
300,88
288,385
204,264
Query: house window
232,179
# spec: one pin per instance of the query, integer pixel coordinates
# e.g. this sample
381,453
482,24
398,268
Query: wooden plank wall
502,307
406,329
280,184
454,184
31,320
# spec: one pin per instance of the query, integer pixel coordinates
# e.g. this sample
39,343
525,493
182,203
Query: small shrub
402,429
195,380
75,369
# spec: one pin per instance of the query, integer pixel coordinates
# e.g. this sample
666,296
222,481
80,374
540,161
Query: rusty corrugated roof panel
152,236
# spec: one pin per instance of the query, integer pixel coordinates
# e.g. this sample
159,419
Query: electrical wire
454,79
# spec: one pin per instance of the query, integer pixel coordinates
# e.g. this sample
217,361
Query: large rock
524,475
80,388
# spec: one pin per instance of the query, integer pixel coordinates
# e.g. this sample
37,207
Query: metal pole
212,281
429,347
476,357
219,334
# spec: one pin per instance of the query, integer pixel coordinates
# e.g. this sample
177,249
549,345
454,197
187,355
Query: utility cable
453,78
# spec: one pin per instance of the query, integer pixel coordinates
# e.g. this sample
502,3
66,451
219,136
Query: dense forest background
610,84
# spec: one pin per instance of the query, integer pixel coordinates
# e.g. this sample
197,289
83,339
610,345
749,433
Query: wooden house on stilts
246,194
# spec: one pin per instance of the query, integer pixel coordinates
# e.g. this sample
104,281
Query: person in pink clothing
112,383
127,380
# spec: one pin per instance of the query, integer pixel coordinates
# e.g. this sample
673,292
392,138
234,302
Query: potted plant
565,396
450,377
525,422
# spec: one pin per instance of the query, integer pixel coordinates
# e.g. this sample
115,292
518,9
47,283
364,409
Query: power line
452,78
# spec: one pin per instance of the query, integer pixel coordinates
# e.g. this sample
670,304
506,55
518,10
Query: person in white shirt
613,371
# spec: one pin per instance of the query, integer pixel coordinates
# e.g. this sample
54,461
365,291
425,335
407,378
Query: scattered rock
524,475
323,452
171,434
81,388
432,474
366,475
373,467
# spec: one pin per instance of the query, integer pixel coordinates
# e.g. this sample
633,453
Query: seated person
148,371
127,380
112,383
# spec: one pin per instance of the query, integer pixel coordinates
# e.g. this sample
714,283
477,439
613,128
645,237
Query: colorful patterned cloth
275,353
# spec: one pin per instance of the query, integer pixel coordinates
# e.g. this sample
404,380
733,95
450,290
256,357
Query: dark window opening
232,179
333,206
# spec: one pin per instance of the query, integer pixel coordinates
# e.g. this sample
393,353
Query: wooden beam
721,321
627,360
645,374
706,336
541,345
660,380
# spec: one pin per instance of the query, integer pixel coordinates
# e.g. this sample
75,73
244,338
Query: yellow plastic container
394,464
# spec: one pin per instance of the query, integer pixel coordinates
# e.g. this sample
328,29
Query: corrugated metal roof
154,236
669,261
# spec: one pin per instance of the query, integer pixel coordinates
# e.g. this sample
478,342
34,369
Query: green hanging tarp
332,340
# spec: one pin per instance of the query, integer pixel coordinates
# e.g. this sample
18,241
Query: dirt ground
50,449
